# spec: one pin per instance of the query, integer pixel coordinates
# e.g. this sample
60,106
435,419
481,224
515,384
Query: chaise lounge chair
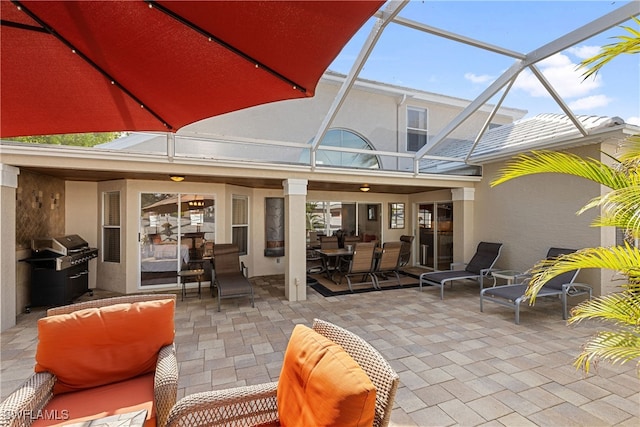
560,286
230,274
478,268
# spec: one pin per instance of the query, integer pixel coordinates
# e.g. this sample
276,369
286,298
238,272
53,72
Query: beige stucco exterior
533,213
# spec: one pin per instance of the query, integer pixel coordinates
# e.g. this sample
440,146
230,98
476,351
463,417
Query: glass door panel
197,226
435,241
444,235
175,230
426,235
159,238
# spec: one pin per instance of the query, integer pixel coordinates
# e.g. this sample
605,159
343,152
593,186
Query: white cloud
589,102
633,121
584,52
478,79
563,76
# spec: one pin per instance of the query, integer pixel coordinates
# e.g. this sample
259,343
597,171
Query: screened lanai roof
498,89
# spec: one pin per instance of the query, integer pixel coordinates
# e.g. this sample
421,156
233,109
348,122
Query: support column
8,185
295,243
464,245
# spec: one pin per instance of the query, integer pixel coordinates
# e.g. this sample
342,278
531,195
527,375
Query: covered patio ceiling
86,175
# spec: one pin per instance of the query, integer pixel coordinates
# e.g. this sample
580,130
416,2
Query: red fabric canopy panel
158,66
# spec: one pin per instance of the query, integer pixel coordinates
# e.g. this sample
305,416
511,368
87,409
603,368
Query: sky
410,58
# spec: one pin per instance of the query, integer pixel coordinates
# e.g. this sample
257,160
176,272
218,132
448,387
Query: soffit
263,183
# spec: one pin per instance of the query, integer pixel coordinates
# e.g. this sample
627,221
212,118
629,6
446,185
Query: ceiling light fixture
177,178
365,187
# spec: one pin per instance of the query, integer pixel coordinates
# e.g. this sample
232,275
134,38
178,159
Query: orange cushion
321,385
118,398
98,346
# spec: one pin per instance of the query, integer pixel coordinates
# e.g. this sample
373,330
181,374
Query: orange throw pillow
98,346
321,385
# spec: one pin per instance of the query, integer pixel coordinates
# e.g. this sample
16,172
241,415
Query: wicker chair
257,404
37,391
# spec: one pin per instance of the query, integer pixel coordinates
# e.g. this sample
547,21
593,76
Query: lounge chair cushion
98,346
119,398
321,385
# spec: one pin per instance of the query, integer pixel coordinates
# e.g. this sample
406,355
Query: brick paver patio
457,366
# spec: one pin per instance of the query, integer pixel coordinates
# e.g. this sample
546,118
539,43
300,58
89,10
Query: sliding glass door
435,242
174,231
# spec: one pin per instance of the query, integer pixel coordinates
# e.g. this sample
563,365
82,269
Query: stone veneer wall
39,213
39,208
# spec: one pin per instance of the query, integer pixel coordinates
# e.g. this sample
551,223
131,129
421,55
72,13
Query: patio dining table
337,255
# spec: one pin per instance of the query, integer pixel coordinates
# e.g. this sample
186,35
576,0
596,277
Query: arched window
345,139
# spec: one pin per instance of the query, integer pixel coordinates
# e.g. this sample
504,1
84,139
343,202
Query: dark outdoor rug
327,288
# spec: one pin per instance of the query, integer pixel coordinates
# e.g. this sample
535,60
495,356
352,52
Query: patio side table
187,276
508,275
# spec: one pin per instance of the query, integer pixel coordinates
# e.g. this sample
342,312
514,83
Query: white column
464,244
295,243
8,185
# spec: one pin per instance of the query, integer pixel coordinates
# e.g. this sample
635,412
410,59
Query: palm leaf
619,209
621,308
624,45
624,259
565,163
615,347
631,151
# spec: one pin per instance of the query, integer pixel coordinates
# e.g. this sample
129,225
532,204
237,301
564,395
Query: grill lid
63,245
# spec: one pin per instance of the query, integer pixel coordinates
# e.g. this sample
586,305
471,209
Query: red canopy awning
95,66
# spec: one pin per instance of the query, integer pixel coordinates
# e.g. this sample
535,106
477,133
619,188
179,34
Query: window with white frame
111,226
416,128
240,222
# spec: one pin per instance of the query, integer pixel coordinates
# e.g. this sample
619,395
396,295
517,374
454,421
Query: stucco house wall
378,115
531,214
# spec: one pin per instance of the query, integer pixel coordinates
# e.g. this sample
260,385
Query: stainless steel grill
59,269
65,251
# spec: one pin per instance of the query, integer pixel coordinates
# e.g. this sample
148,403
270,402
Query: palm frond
621,308
624,45
615,347
620,208
565,163
629,157
624,259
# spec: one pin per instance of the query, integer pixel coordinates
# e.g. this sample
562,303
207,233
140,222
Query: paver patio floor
457,366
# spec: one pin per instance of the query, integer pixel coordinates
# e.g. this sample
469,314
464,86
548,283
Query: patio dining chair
329,376
388,262
361,263
329,242
478,268
561,286
405,251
